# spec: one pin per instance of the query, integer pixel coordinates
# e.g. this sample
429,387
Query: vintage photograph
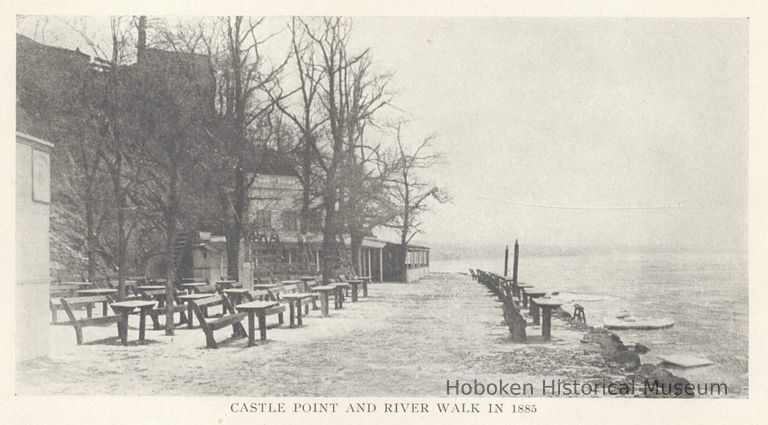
362,206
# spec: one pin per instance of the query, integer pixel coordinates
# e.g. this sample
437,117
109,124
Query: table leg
546,324
365,289
89,310
324,303
251,329
525,298
298,316
534,310
262,325
354,293
104,308
340,298
142,323
123,330
292,309
189,314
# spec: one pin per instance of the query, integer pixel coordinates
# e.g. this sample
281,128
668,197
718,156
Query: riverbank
705,294
404,340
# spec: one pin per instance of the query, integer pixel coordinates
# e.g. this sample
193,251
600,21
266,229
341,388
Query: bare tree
110,121
309,119
410,193
345,110
363,203
244,79
172,93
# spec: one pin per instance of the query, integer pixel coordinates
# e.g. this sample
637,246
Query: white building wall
276,194
32,247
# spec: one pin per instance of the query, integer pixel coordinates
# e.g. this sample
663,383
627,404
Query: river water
706,294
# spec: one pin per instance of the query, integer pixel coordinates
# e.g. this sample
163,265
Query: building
280,248
33,199
416,262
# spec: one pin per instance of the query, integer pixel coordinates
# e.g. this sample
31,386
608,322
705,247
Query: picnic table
225,284
325,291
256,309
77,284
366,280
100,291
136,278
124,308
294,303
266,286
355,283
186,298
150,287
236,294
521,287
533,310
343,287
547,305
193,286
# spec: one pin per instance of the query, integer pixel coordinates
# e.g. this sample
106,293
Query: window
263,219
315,222
290,220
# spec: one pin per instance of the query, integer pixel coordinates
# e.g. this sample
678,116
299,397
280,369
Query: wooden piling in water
506,260
514,262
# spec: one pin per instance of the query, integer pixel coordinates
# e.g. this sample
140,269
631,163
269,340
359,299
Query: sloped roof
274,163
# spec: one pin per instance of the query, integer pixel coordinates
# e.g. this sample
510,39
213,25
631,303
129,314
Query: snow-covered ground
405,340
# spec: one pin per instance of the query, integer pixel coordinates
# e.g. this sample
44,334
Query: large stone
603,341
646,370
641,349
628,360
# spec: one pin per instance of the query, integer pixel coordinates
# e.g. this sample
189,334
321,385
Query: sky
564,131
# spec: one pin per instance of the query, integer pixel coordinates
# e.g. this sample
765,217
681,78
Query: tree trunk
90,238
356,242
306,170
404,231
329,237
170,244
236,230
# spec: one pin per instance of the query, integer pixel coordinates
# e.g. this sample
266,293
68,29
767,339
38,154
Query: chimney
141,48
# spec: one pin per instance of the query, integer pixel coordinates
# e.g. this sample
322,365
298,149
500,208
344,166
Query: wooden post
381,265
368,264
506,260
514,262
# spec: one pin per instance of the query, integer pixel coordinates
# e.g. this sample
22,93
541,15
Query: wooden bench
260,310
55,304
298,302
159,310
257,295
70,304
57,293
209,325
283,289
